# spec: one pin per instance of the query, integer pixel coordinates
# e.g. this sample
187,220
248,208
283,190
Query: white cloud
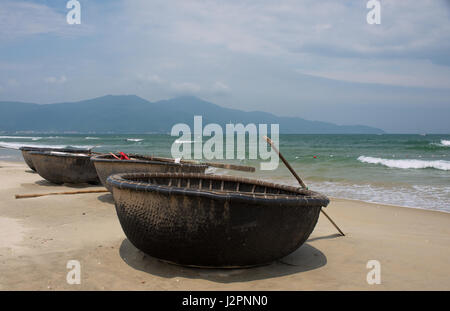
55,80
177,87
23,18
186,87
220,88
246,54
151,78
296,26
397,72
11,82
306,32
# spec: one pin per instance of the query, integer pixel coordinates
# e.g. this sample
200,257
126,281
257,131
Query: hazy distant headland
132,114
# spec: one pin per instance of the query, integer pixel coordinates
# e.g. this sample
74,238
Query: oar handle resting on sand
24,196
300,181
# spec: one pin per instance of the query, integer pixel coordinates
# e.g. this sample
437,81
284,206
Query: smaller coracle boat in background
63,167
213,221
107,165
27,158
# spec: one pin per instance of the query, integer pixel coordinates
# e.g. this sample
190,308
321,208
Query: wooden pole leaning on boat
300,181
235,167
25,196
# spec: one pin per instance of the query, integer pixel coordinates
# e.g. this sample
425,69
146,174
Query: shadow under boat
304,259
106,198
46,183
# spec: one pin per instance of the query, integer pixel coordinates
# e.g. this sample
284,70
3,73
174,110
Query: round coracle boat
27,150
60,167
106,165
213,221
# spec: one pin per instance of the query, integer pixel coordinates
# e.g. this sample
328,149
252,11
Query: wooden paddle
269,141
24,196
116,157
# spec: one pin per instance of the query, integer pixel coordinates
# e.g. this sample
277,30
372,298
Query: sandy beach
38,236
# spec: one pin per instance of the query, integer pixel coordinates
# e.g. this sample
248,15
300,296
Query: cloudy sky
319,60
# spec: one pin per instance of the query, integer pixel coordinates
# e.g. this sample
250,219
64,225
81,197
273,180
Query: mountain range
133,114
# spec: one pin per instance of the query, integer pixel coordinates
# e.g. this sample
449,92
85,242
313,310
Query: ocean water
406,170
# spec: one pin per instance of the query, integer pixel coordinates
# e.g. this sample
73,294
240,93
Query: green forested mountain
132,114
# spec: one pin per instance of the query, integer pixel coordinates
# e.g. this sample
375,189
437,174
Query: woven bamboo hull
60,169
106,166
29,161
212,231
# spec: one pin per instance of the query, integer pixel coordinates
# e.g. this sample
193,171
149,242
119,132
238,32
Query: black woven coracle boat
59,167
213,221
106,165
27,150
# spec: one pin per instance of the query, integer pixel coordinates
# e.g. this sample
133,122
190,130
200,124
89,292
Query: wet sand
38,236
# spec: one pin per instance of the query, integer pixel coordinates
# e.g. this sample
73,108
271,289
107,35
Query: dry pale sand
39,236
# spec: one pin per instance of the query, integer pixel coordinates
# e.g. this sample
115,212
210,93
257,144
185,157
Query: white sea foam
180,141
445,143
20,137
422,197
435,197
91,138
17,145
135,139
407,163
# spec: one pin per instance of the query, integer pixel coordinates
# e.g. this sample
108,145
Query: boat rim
49,149
101,158
302,197
61,154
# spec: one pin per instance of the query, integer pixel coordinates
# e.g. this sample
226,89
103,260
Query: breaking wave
445,143
15,145
135,139
407,164
180,141
20,137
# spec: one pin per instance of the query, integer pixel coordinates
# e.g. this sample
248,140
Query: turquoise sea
406,170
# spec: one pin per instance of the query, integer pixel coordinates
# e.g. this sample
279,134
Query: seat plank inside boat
208,184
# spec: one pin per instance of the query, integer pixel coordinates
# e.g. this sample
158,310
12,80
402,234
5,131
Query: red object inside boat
123,156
